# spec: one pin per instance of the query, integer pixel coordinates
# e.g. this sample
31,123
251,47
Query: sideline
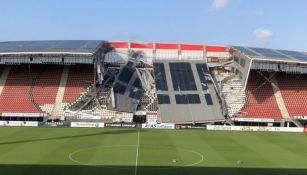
137,154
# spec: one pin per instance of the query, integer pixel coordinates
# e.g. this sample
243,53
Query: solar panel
93,44
163,99
136,93
268,53
295,54
126,75
208,99
118,88
39,45
69,45
187,99
202,70
245,51
11,46
180,99
160,77
130,64
182,76
50,46
137,83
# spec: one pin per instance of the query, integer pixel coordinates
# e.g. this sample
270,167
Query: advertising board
179,126
252,119
9,114
18,123
120,125
254,128
86,125
88,117
159,126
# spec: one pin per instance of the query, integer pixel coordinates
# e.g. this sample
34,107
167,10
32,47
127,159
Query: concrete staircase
4,76
58,107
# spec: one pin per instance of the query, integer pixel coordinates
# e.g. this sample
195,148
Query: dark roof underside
78,46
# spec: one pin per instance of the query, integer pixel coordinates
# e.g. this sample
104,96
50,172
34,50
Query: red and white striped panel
120,55
167,51
192,52
147,49
217,51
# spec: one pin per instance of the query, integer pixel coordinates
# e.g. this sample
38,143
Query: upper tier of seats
293,88
261,102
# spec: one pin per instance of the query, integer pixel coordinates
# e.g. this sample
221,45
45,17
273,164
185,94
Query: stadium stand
47,84
31,88
4,70
293,88
16,96
170,82
261,102
79,78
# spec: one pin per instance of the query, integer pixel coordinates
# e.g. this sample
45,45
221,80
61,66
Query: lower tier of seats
261,102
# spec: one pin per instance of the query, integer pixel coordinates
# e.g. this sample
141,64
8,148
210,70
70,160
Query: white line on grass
137,154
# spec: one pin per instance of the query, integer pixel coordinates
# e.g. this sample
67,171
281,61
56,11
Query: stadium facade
96,80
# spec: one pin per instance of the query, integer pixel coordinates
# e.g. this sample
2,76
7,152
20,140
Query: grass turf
93,151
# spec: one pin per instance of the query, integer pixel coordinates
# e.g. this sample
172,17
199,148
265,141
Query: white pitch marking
70,156
137,154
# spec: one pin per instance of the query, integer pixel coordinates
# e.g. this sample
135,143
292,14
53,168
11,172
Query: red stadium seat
47,85
79,78
15,94
293,88
261,101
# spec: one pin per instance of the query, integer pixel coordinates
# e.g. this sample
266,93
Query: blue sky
264,23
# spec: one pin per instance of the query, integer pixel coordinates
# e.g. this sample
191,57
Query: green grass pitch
94,151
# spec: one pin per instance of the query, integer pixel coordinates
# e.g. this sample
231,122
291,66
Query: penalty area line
137,154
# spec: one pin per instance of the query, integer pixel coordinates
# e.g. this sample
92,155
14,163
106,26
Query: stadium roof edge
272,55
51,53
50,47
280,61
232,46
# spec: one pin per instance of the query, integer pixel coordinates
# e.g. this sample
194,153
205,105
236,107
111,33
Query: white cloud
262,36
218,4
